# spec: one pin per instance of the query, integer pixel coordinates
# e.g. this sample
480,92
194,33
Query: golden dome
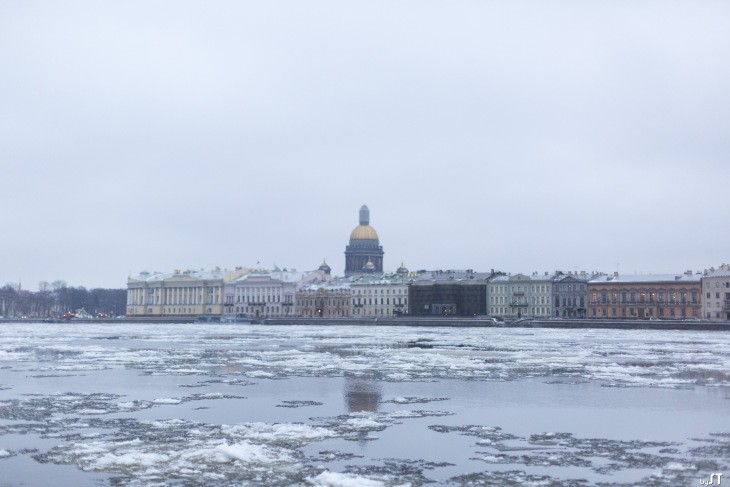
364,232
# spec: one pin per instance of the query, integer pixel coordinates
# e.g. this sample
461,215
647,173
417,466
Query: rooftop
639,278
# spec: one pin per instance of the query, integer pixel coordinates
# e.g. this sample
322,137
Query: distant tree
58,285
8,296
47,303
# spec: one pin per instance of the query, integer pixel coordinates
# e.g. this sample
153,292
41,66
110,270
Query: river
213,404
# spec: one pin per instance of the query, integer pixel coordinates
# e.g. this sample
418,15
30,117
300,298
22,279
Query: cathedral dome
325,267
369,267
364,232
364,254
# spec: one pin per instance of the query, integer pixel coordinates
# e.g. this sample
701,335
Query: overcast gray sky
521,136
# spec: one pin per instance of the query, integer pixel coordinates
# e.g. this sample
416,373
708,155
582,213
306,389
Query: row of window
644,313
643,297
382,291
504,311
707,284
386,301
520,289
168,296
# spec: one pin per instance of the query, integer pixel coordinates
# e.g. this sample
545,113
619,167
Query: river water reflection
333,405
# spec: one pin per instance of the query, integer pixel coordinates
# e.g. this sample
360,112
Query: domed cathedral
364,255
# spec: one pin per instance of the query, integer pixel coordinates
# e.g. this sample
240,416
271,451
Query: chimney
615,274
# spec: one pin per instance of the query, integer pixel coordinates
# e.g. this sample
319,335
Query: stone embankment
458,321
452,321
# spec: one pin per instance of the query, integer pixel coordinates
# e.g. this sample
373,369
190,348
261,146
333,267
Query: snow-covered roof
639,278
340,286
277,275
181,276
389,279
718,273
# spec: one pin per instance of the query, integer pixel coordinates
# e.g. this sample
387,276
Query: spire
364,215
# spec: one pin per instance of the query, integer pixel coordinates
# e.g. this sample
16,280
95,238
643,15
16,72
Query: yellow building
184,294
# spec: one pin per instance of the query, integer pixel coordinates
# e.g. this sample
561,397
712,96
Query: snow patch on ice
249,453
278,431
334,479
166,400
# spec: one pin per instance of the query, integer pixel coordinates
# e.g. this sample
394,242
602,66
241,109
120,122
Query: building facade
520,296
364,254
570,295
324,300
184,294
262,294
645,296
716,293
380,296
448,293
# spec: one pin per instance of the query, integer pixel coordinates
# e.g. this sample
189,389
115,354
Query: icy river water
135,404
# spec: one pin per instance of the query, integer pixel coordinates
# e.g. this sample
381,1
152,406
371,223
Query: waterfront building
520,296
716,293
663,296
380,295
328,299
181,293
447,293
262,294
570,294
364,254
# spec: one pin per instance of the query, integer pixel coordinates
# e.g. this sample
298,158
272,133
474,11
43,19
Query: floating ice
333,479
166,400
103,432
249,453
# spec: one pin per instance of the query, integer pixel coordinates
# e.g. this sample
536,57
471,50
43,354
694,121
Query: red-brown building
663,296
324,300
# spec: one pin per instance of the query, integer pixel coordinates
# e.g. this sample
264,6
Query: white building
716,293
263,294
380,295
520,296
181,293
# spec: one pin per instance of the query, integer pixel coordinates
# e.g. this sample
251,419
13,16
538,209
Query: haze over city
520,137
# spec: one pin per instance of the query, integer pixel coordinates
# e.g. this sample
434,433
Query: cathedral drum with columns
364,255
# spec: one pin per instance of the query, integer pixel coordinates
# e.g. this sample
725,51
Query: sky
518,136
